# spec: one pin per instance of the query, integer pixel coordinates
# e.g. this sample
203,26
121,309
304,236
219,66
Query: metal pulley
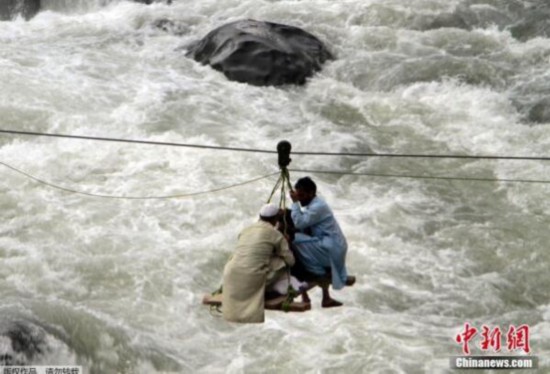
283,149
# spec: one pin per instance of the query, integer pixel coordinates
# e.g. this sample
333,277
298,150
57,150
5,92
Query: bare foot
330,303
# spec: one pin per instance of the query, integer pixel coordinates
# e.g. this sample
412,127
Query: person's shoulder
320,202
322,206
266,226
253,226
272,231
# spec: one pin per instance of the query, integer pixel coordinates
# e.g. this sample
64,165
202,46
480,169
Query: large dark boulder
261,53
9,9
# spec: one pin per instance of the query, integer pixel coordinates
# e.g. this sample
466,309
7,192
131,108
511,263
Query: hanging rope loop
284,186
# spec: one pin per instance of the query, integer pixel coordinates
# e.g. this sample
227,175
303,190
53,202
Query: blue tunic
326,247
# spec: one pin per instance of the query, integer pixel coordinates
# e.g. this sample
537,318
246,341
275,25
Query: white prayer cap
269,210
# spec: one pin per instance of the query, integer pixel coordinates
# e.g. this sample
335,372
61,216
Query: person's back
318,217
324,251
255,249
261,255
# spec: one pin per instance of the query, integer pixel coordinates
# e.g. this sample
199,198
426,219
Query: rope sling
283,150
284,186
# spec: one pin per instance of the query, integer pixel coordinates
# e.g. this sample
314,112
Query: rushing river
115,285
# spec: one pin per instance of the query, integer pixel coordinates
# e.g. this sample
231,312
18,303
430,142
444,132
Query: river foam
116,285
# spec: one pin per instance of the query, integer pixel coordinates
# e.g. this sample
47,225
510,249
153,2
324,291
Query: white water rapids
116,285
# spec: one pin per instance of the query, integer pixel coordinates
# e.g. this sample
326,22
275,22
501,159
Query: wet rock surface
261,53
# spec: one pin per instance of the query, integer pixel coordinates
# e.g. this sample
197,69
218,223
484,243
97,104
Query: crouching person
259,260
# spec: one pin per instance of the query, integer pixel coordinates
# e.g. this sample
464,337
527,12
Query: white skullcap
269,210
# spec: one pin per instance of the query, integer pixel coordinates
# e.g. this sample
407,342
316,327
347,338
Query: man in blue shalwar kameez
322,252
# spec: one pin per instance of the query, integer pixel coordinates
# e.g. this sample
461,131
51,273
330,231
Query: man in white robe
323,250
260,259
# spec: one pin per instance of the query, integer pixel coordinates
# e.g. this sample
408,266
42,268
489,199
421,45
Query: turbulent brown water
116,285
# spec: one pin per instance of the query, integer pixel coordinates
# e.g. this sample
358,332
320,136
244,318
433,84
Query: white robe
326,247
261,254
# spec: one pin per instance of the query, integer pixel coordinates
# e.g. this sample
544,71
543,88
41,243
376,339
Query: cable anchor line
301,153
134,141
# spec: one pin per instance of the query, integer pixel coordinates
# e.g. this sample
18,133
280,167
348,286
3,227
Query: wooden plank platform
277,302
271,304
